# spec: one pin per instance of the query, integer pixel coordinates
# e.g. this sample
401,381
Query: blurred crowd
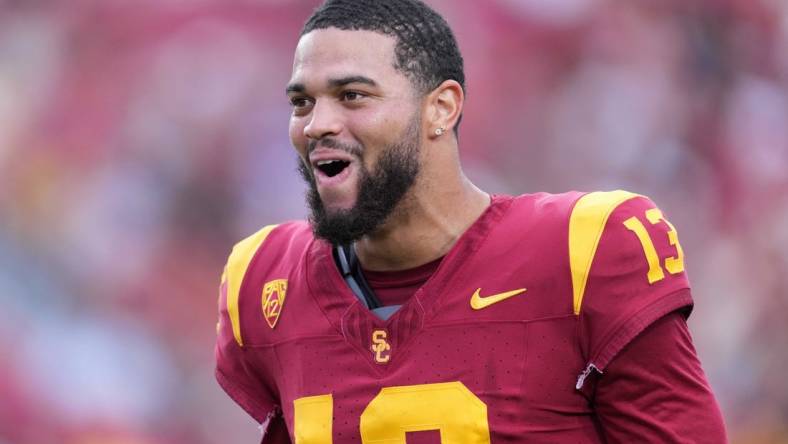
140,139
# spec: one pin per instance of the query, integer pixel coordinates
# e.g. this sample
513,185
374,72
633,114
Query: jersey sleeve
245,371
235,374
627,272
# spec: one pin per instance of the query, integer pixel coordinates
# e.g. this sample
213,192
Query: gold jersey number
459,415
674,264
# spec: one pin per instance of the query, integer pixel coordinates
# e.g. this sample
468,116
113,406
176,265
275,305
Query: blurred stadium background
140,139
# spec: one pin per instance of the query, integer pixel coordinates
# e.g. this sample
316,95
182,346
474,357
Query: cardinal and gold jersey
541,292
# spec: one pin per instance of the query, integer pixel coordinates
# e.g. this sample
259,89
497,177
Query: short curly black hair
426,49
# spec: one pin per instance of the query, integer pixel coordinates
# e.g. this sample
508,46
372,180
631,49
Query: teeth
326,162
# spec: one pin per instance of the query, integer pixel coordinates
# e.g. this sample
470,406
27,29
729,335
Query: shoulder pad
234,273
586,224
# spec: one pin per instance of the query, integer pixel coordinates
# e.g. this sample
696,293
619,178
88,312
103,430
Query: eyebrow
333,83
295,88
342,81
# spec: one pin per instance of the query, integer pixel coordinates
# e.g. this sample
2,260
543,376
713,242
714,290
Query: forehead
329,53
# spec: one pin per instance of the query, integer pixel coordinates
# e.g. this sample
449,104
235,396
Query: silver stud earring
439,131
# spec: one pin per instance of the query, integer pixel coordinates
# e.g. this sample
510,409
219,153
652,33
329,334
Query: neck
442,205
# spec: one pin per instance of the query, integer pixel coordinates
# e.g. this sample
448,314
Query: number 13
675,264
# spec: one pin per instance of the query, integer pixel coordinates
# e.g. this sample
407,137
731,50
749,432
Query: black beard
378,194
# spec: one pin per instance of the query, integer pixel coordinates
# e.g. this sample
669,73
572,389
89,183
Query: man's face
356,127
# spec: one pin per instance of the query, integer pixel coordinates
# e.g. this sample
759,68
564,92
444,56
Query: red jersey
539,293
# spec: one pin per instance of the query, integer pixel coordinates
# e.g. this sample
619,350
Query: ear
443,108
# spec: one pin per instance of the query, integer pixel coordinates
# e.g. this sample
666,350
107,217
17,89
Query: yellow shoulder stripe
241,256
586,224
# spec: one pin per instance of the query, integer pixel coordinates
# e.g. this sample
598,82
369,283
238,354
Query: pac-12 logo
380,346
273,300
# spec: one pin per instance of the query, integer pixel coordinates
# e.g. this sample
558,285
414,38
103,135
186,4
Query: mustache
330,142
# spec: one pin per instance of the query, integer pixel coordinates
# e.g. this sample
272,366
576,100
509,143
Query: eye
299,102
351,96
301,105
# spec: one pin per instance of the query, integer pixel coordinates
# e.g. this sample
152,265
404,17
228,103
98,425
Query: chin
335,210
336,204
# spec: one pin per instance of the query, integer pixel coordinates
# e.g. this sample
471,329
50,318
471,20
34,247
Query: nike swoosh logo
478,302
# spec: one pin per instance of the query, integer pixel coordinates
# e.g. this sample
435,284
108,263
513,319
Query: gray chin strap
385,312
347,262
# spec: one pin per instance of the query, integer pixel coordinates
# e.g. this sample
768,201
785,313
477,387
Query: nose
324,121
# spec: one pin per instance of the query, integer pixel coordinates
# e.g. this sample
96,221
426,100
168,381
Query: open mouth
332,167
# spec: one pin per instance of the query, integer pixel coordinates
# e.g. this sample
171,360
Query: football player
415,307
